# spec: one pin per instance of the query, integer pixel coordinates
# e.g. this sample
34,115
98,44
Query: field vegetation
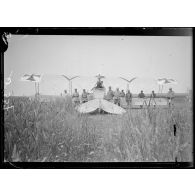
53,131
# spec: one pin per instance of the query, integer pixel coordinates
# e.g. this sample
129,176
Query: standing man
75,97
84,96
122,99
153,95
99,84
117,97
65,93
122,94
170,96
128,98
141,95
110,94
152,100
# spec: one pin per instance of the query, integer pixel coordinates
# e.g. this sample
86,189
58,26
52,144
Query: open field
54,131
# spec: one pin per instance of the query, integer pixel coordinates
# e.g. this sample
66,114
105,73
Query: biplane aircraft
99,103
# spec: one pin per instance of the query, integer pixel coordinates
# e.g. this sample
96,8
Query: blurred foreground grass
54,131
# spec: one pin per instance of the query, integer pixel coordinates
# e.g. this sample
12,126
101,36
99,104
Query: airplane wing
161,81
110,107
25,77
129,81
93,105
124,79
36,78
89,106
66,77
37,75
32,78
73,77
132,79
172,81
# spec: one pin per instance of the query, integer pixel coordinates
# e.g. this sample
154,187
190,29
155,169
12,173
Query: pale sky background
145,57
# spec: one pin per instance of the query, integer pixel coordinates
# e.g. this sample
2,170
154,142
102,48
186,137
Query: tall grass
54,131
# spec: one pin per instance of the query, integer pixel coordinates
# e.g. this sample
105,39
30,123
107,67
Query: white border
76,13
99,13
97,182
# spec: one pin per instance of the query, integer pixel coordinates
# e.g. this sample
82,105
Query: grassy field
54,131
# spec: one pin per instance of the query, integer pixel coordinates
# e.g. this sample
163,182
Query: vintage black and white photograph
97,98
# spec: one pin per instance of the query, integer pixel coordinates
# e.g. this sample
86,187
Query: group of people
76,97
170,95
117,97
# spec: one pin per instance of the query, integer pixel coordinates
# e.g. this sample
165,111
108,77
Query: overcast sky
145,57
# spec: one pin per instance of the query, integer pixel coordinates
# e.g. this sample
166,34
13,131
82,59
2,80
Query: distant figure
170,96
122,99
122,94
189,96
65,94
152,100
75,97
84,96
128,98
141,95
110,94
99,84
37,95
117,97
153,95
102,84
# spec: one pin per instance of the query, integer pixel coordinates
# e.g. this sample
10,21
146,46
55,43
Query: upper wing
25,77
110,107
73,77
31,78
171,81
66,77
36,78
162,81
37,75
132,79
124,79
89,106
